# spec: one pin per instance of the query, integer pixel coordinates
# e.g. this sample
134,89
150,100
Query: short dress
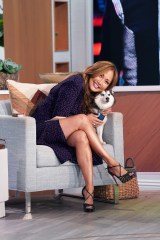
64,99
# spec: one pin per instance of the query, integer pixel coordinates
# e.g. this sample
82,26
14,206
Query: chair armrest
20,136
113,134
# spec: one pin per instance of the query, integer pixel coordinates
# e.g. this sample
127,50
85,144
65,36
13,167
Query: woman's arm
69,96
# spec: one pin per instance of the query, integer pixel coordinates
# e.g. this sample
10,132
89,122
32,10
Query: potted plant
8,70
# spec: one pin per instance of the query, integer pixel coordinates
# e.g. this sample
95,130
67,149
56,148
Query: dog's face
105,99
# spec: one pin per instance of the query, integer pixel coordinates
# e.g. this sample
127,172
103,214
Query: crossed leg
72,124
81,135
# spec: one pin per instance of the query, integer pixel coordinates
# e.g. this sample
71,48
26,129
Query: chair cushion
26,96
47,158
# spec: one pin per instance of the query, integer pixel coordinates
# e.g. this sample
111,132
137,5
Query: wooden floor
64,220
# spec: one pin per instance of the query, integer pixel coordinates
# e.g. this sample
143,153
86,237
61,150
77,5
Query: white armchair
35,168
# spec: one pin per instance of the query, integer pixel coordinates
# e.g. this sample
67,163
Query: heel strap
89,194
88,205
119,165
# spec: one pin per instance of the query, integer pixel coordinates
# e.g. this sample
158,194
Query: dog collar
101,116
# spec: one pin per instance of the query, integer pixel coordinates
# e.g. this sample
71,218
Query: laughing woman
65,123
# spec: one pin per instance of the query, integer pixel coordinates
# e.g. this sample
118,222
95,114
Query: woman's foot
88,205
121,173
117,169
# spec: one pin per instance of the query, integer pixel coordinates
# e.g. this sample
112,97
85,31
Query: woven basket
127,190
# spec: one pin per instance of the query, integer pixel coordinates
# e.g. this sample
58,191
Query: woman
65,122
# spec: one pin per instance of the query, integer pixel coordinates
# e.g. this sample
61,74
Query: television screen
126,32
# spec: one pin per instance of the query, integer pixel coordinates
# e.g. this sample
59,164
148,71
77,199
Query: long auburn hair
94,70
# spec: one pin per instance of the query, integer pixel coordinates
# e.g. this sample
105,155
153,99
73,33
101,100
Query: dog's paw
102,142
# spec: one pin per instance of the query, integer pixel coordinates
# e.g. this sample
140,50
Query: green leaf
1,64
10,66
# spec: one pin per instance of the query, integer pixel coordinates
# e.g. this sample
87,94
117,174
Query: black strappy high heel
86,206
123,178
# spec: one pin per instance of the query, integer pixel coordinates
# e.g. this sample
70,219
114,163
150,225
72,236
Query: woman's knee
81,137
83,119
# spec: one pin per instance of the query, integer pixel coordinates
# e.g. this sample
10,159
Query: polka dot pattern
65,99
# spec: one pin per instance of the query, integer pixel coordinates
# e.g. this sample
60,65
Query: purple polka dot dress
65,99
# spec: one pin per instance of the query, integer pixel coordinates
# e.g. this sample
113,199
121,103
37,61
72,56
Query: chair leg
60,191
58,194
28,206
28,202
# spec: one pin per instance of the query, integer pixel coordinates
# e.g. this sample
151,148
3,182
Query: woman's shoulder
73,80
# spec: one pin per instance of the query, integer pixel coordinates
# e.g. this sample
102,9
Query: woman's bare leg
79,140
80,122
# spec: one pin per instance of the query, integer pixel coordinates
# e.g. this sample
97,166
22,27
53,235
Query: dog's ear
111,91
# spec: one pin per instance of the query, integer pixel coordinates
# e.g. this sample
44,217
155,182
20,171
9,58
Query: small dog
103,101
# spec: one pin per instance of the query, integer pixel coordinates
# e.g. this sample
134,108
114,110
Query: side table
3,178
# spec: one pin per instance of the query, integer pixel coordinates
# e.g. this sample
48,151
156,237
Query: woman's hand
94,120
107,111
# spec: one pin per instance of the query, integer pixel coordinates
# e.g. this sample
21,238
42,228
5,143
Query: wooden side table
3,178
